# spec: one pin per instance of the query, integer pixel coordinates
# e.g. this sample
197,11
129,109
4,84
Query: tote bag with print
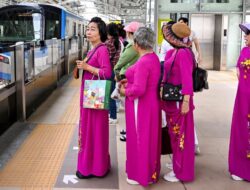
96,94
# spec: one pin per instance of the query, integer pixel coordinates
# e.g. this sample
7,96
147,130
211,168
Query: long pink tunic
181,127
93,156
239,149
143,120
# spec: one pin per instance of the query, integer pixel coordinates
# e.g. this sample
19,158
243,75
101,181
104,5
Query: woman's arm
104,69
186,66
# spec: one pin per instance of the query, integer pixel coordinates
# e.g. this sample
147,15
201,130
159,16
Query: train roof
38,6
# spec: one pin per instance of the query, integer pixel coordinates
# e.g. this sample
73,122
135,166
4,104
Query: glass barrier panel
178,5
42,60
221,5
28,62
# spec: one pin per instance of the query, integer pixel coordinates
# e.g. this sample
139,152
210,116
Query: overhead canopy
127,10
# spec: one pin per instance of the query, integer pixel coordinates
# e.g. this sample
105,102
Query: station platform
41,154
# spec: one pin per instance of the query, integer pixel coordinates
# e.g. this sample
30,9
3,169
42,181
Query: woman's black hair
184,19
121,31
112,30
101,27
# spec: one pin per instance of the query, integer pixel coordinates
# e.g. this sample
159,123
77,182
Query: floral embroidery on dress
154,176
180,136
246,66
176,129
182,142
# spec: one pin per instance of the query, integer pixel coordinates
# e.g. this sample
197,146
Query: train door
204,27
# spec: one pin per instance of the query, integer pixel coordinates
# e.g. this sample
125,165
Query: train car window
74,29
52,23
19,25
67,27
37,23
79,29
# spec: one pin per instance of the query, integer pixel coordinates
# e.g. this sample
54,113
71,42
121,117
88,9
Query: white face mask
130,41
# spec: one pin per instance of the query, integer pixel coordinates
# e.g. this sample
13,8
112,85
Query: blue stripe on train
5,76
6,53
63,24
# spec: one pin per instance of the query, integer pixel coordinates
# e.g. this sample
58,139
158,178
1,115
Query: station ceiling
110,9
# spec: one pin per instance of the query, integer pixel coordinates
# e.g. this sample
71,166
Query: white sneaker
236,178
113,121
197,150
132,182
170,177
169,165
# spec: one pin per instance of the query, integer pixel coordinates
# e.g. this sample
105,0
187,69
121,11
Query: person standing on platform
143,113
197,51
239,148
165,47
180,119
114,47
128,57
93,155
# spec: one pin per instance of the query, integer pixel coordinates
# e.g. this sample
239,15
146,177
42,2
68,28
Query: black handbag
171,92
199,77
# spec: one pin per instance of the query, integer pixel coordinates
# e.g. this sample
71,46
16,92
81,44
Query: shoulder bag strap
169,72
94,52
194,60
92,55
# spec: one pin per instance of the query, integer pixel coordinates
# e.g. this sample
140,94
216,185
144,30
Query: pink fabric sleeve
186,70
104,63
139,85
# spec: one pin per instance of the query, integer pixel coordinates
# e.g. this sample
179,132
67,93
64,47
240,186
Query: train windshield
20,25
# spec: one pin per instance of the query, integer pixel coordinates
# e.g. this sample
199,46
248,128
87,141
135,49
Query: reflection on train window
37,23
52,27
19,25
28,59
41,59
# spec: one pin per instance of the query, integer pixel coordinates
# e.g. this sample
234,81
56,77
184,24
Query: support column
20,84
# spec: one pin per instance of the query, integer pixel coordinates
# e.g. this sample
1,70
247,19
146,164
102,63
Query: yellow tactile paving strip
38,161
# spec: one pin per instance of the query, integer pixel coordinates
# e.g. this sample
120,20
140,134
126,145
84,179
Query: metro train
37,22
53,39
